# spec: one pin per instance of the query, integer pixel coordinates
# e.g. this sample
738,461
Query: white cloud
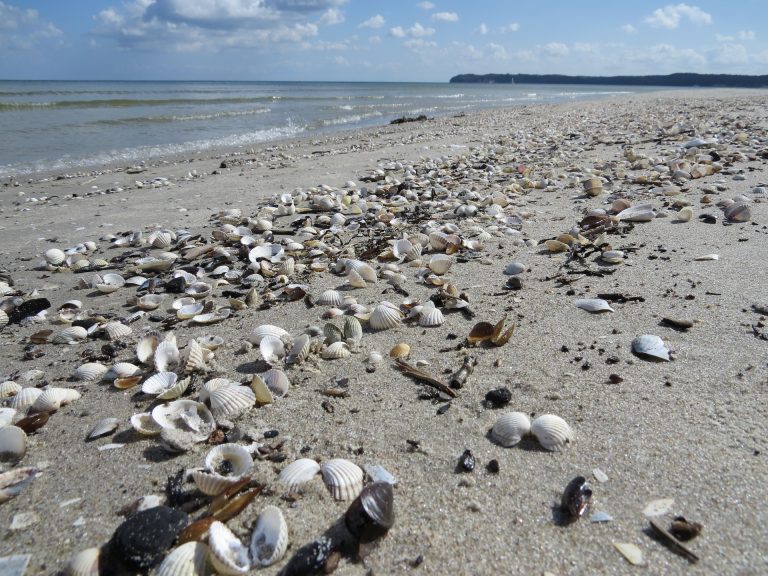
419,44
668,57
398,32
746,35
511,27
628,29
586,48
415,31
730,54
670,16
445,17
332,16
740,35
376,21
375,40
425,5
482,29
557,49
23,28
498,52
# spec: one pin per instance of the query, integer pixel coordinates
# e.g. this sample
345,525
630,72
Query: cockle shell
24,399
164,385
269,539
228,555
300,349
365,270
440,263
344,479
272,349
335,351
384,316
333,333
593,305
330,298
189,559
510,428
166,354
225,465
230,401
9,388
51,399
110,283
353,330
430,316
116,330
161,239
84,563
54,256
261,391
552,432
70,335
267,330
195,357
90,372
298,472
213,317
354,279
650,347
121,370
13,444
277,382
7,416
103,427
187,416
145,424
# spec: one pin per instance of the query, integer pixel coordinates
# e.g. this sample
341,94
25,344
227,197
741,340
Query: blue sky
393,40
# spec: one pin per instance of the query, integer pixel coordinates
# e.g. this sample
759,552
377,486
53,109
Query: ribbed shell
440,264
228,555
354,279
121,370
552,432
269,539
24,399
335,351
103,427
189,559
13,444
510,428
116,330
7,415
298,472
166,355
277,382
353,330
272,349
194,357
344,479
54,256
330,298
70,334
145,348
9,388
384,316
267,329
431,316
84,563
229,401
212,484
159,383
238,457
161,239
259,387
365,270
90,372
54,398
300,349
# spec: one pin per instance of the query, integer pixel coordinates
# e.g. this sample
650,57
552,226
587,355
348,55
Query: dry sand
693,430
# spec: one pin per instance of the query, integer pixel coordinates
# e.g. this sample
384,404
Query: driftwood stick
419,374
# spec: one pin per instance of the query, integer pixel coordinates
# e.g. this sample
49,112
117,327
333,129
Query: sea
71,126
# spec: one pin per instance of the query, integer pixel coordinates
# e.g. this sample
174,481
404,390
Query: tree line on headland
681,79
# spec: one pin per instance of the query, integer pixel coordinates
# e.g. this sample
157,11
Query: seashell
24,398
344,479
84,563
54,256
298,472
150,301
365,270
384,316
198,290
166,354
195,357
7,416
637,213
145,348
225,465
355,280
214,384
70,335
13,444
593,305
738,212
269,539
631,552
189,559
145,425
110,283
189,311
161,239
153,264
440,263
272,349
555,246
9,388
353,330
593,186
210,342
229,401
300,349
552,432
212,318
685,214
122,370
400,350
181,302
116,330
514,268
186,416
14,481
335,351
54,398
277,382
261,391
430,316
612,256
510,428
103,427
330,298
372,513
159,383
127,382
333,333
650,347
227,554
267,330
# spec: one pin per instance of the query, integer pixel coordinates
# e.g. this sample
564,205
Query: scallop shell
330,298
430,316
650,347
267,330
335,351
230,401
103,427
440,263
54,398
510,428
150,301
277,382
70,335
298,472
116,330
189,559
54,256
552,432
122,370
13,444
227,554
166,354
84,563
384,316
145,348
344,479
593,305
9,388
269,539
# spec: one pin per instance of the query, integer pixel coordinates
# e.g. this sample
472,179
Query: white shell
116,330
121,370
187,416
267,330
69,335
685,214
650,347
145,348
195,357
335,351
440,263
269,539
229,401
103,427
84,563
110,283
228,555
552,432
161,239
298,472
7,415
514,268
212,317
430,316
166,354
510,428
353,330
300,349
159,383
277,382
90,372
189,311
189,559
272,349
13,444
344,479
612,256
238,457
9,388
210,342
637,213
51,399
354,279
214,384
145,425
330,298
593,305
150,301
198,290
54,256
384,316
365,270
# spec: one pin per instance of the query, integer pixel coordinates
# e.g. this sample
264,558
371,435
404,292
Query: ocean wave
352,119
181,117
131,102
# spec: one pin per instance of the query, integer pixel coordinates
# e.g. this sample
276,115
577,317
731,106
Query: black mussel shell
143,539
372,513
28,308
576,497
310,558
684,529
175,285
498,397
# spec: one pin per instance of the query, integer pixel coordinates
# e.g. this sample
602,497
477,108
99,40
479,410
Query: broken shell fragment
84,563
510,428
14,481
552,432
593,305
650,347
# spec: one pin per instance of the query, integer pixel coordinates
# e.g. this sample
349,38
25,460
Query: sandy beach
653,439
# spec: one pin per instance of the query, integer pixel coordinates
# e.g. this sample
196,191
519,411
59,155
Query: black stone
499,396
466,462
176,285
493,467
143,539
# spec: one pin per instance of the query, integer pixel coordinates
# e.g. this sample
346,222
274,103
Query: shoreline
692,430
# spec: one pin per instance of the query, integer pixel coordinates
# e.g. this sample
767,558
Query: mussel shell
142,540
372,513
310,558
576,497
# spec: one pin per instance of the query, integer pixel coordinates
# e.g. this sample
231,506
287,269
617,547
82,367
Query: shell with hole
269,539
552,432
344,479
510,428
225,465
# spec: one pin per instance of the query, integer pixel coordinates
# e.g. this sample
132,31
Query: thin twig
420,374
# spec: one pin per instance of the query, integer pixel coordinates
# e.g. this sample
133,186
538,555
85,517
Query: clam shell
54,256
267,330
277,382
189,311
612,256
335,351
650,347
230,401
103,427
84,563
330,298
440,263
593,305
372,513
213,317
227,554
344,479
69,335
637,213
552,432
384,316
189,559
510,428
298,472
166,354
9,388
7,415
90,372
738,212
117,330
555,246
150,301
13,444
198,290
145,424
269,539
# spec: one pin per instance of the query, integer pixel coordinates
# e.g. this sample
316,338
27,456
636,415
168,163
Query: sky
367,40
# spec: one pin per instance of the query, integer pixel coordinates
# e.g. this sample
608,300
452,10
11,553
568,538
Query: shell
440,263
195,357
150,301
384,316
103,427
198,290
400,350
214,384
269,539
260,390
555,246
612,256
166,354
228,555
189,310
738,212
552,432
430,316
84,563
372,513
650,347
277,382
353,330
267,330
514,268
14,481
7,415
116,330
354,279
685,214
145,425
9,388
90,372
593,305
365,270
330,298
637,213
51,399
54,256
335,351
210,342
13,444
510,428
300,349
238,459
145,348
229,401
121,370
161,239
160,383
110,283
272,349
189,559
333,333
344,479
69,335
185,415
298,472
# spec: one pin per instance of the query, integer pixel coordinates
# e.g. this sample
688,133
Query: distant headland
681,79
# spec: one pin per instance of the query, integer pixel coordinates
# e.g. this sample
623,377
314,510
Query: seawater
50,126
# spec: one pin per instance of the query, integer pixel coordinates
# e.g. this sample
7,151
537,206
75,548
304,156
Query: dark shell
683,529
576,497
142,540
498,396
28,308
310,558
372,513
33,423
